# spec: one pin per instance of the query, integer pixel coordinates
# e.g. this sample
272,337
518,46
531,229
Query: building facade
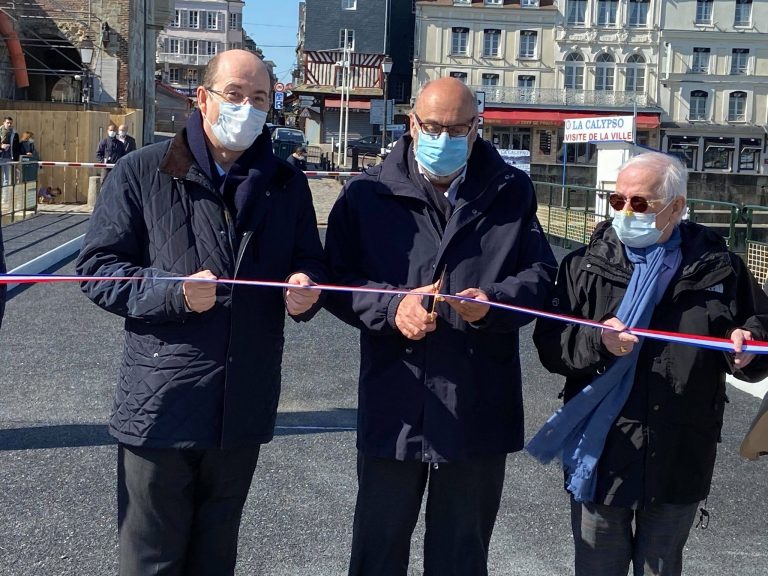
714,84
359,33
197,31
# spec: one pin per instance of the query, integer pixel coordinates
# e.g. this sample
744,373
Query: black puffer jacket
662,446
456,394
188,379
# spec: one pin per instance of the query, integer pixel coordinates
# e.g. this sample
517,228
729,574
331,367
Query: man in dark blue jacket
200,377
440,401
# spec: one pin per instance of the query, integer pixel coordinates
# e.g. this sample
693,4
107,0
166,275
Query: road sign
480,99
305,113
279,87
279,98
307,100
480,122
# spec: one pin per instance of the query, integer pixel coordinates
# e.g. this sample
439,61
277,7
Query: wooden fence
68,133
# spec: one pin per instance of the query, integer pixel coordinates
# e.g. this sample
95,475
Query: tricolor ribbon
723,344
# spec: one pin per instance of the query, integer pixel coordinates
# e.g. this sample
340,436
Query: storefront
741,154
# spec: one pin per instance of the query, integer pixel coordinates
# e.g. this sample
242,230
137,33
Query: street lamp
386,67
86,56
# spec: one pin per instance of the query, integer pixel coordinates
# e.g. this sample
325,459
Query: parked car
364,145
285,134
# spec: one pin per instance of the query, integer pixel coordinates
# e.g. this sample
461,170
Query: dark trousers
608,538
462,502
178,511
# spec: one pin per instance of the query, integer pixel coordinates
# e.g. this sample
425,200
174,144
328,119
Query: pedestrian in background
200,380
440,390
110,150
9,149
639,429
299,158
29,156
129,142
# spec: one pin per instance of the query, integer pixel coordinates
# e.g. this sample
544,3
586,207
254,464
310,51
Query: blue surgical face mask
442,156
637,230
238,126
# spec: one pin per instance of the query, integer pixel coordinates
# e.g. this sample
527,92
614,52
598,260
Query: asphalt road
58,365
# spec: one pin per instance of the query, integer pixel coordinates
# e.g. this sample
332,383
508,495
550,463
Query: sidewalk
324,194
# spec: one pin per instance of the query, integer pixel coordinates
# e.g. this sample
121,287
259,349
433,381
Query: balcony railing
565,97
184,59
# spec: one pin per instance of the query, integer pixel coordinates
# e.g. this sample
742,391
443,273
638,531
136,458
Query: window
526,81
173,46
634,79
459,40
740,61
604,73
718,153
176,23
192,47
704,11
462,1
686,149
743,16
192,75
235,46
529,3
700,61
490,79
749,154
493,2
193,19
698,106
212,20
174,75
526,85
347,38
235,21
459,76
574,72
606,12
212,48
528,43
638,13
737,107
577,10
491,43
349,4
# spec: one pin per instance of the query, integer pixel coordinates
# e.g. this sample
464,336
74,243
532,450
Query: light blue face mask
637,230
442,156
238,126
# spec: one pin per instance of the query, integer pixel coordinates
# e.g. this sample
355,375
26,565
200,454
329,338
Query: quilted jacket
3,287
190,380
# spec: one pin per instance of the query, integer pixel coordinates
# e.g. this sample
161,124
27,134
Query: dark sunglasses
636,203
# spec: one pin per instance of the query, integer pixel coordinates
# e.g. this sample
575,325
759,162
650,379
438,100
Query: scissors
436,298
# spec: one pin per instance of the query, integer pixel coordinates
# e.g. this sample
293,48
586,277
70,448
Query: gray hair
673,175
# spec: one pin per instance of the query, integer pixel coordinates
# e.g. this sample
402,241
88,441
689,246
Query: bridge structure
59,356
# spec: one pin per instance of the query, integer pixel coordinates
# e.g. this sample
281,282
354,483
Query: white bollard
94,185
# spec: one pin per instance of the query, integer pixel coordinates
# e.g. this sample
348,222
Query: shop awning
549,117
353,104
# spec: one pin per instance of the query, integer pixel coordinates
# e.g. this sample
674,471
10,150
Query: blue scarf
577,431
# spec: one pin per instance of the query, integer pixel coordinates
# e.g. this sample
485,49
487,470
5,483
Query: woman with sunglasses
638,432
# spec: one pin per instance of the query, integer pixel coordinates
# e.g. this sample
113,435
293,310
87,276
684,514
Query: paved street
59,355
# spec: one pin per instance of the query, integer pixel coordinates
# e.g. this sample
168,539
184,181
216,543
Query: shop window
718,153
686,149
749,154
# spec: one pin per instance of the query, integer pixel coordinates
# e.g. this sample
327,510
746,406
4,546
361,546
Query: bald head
447,96
236,63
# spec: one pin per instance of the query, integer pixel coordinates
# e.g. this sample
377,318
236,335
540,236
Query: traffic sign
480,99
305,113
279,87
279,98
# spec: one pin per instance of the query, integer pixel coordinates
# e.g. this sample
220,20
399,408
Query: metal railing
565,97
18,197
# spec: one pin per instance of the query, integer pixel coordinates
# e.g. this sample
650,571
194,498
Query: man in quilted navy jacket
200,377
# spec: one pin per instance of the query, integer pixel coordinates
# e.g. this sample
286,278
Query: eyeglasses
237,98
434,130
636,203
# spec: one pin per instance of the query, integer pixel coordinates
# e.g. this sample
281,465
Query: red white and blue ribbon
723,344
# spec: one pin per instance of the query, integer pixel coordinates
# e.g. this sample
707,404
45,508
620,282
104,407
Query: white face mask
111,133
237,126
31,141
121,133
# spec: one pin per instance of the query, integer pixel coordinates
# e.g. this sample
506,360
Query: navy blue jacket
110,150
3,287
456,394
187,379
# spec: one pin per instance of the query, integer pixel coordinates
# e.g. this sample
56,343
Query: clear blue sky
273,25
